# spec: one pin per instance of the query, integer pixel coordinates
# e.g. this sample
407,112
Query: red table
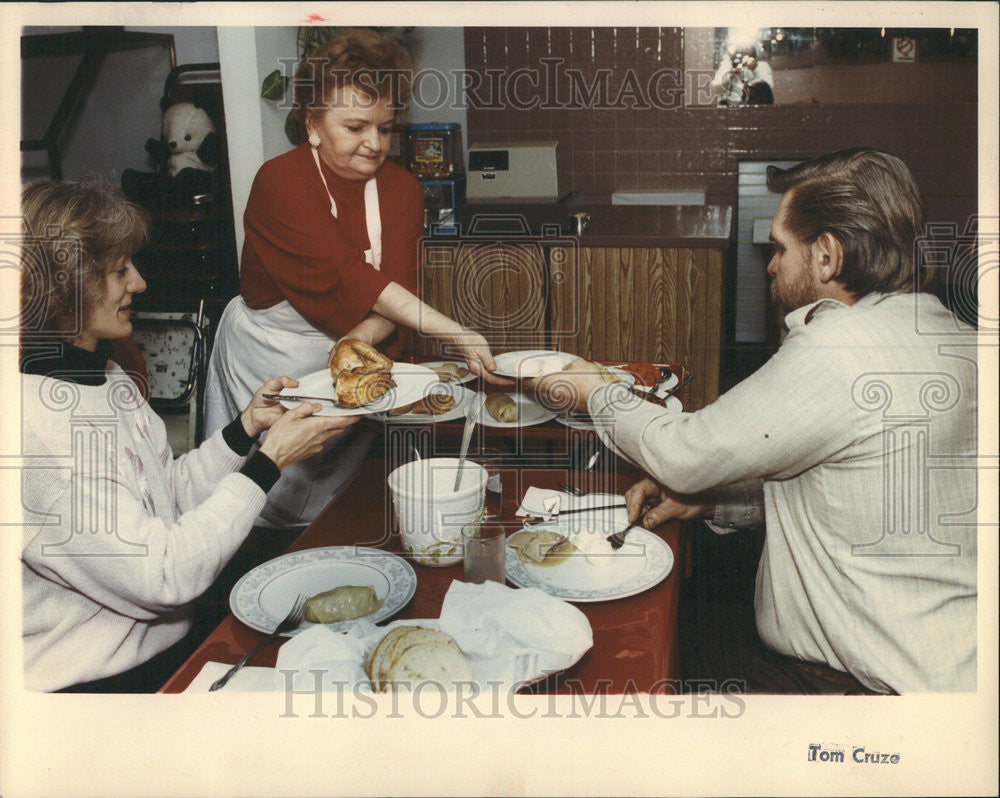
635,639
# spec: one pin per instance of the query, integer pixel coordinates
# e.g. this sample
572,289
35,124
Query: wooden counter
641,283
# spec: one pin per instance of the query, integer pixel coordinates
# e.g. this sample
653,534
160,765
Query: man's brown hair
867,199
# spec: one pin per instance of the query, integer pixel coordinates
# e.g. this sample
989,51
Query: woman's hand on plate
475,350
299,434
261,413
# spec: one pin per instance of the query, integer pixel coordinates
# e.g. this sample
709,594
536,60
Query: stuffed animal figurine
187,155
190,139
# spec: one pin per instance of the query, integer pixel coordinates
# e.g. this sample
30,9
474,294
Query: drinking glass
484,551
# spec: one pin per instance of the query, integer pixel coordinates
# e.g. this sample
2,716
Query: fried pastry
502,407
450,372
360,386
352,354
433,405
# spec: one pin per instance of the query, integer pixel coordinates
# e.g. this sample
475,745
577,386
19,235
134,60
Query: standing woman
332,244
119,536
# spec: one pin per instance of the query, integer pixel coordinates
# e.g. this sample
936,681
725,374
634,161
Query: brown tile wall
668,146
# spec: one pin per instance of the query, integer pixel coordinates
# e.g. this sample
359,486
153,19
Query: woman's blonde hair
73,233
377,66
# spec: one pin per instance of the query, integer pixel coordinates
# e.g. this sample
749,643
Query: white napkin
508,636
513,636
249,679
547,503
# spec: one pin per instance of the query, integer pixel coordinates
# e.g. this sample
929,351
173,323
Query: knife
587,509
534,520
297,398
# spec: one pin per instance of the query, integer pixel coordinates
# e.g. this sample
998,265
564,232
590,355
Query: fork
291,621
617,540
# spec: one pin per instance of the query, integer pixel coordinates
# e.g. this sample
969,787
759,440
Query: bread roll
502,407
409,655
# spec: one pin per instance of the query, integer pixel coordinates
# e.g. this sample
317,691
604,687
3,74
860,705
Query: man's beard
800,292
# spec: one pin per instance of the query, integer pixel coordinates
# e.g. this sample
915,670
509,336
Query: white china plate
263,596
412,383
508,363
432,364
582,421
463,397
642,562
529,414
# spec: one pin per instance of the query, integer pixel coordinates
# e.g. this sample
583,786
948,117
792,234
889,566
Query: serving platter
263,595
463,398
412,383
641,563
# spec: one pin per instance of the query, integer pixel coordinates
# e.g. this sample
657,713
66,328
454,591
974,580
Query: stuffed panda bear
190,139
187,155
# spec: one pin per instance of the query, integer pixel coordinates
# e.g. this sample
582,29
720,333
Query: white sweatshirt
119,537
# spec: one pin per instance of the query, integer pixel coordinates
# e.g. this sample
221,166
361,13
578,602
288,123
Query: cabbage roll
343,603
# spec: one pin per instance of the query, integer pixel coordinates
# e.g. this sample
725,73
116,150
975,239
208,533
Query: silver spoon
470,423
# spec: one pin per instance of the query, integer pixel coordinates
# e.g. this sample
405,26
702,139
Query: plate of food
527,363
409,383
443,402
572,560
343,584
360,380
451,371
513,410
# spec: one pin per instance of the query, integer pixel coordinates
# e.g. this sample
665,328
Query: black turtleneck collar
67,362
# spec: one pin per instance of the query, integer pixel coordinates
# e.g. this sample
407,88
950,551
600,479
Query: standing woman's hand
474,348
261,413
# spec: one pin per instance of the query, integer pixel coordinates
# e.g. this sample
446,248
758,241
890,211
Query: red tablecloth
635,638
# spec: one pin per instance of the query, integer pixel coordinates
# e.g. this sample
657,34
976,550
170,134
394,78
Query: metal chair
174,346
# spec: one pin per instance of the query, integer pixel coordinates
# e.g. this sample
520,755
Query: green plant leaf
293,131
273,86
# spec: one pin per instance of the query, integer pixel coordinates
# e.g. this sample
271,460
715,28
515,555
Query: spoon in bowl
470,423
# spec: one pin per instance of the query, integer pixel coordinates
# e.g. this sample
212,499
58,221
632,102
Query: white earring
314,139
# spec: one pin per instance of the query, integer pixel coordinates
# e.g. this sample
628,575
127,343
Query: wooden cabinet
641,304
643,284
495,287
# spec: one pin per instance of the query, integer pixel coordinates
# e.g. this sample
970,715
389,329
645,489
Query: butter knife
298,398
533,520
589,509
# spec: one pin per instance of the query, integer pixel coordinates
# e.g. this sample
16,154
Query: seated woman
119,536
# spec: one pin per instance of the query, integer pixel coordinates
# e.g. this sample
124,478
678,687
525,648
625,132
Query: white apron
253,346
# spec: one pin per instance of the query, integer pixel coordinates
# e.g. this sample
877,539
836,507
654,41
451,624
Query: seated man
854,445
